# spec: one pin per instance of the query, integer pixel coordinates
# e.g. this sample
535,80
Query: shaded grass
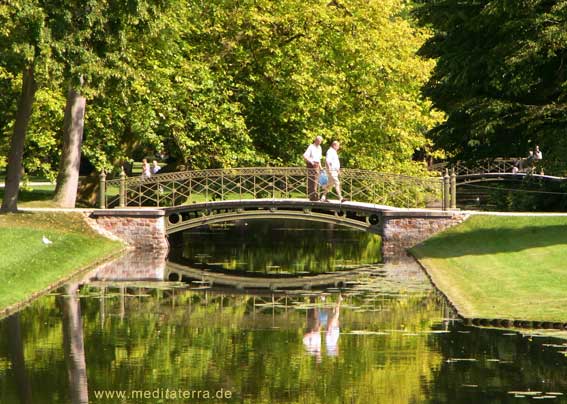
37,197
28,266
502,267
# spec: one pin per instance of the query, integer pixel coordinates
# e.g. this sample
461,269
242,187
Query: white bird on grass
46,241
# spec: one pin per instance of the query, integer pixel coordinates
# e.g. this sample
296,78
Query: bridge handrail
173,189
282,171
503,165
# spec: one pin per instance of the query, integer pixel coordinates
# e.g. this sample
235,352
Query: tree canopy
223,83
500,75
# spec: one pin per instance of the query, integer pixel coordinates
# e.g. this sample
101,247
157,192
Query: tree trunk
68,176
23,115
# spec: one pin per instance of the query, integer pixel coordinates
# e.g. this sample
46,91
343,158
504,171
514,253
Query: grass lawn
29,266
38,196
502,267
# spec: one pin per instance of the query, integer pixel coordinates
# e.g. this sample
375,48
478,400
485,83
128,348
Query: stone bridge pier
404,229
140,228
146,228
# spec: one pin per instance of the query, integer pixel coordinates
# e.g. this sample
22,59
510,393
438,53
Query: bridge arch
190,216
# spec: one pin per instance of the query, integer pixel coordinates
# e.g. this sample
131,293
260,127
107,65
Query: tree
87,37
500,75
344,69
21,39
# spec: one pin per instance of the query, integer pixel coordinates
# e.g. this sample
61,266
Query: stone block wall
403,230
133,266
142,229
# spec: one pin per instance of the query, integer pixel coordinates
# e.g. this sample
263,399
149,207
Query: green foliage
221,84
500,75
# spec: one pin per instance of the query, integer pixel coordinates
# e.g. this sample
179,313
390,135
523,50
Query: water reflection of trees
73,344
46,351
512,362
211,341
293,246
18,364
252,345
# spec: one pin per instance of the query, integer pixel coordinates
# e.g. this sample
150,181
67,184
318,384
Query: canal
139,330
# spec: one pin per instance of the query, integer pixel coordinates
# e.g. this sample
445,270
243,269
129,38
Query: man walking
333,169
312,157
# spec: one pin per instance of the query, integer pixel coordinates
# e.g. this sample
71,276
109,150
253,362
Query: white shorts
333,178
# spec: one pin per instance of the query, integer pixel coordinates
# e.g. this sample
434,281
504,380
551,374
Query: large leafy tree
223,83
22,47
81,42
500,75
344,69
89,38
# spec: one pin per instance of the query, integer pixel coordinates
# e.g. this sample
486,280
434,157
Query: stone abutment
404,229
142,229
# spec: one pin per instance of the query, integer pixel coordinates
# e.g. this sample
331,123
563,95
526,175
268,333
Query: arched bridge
146,210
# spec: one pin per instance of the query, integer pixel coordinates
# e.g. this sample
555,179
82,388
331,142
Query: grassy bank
29,266
502,267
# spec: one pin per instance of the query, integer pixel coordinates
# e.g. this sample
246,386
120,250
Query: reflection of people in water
318,320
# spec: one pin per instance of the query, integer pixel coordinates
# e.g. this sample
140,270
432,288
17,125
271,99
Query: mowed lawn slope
509,267
27,265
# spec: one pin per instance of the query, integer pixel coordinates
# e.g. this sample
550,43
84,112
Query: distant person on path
312,157
333,169
538,154
155,167
527,163
146,172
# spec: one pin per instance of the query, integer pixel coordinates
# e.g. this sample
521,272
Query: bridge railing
180,188
505,165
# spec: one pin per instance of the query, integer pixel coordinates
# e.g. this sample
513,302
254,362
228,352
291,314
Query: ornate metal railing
180,188
504,165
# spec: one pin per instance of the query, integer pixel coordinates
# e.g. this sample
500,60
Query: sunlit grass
29,266
502,267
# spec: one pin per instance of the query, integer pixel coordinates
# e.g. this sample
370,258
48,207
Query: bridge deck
304,203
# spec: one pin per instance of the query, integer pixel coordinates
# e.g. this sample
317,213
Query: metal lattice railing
180,188
505,165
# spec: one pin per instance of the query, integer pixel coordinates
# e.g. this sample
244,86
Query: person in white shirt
155,167
312,157
146,172
333,169
538,154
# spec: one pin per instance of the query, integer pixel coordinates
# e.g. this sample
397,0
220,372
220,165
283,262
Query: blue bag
323,179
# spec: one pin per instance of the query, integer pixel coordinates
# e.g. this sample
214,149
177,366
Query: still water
123,335
275,247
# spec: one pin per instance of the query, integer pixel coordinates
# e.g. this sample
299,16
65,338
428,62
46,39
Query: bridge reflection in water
273,254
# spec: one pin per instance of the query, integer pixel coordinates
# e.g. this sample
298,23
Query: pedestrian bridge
403,210
399,228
